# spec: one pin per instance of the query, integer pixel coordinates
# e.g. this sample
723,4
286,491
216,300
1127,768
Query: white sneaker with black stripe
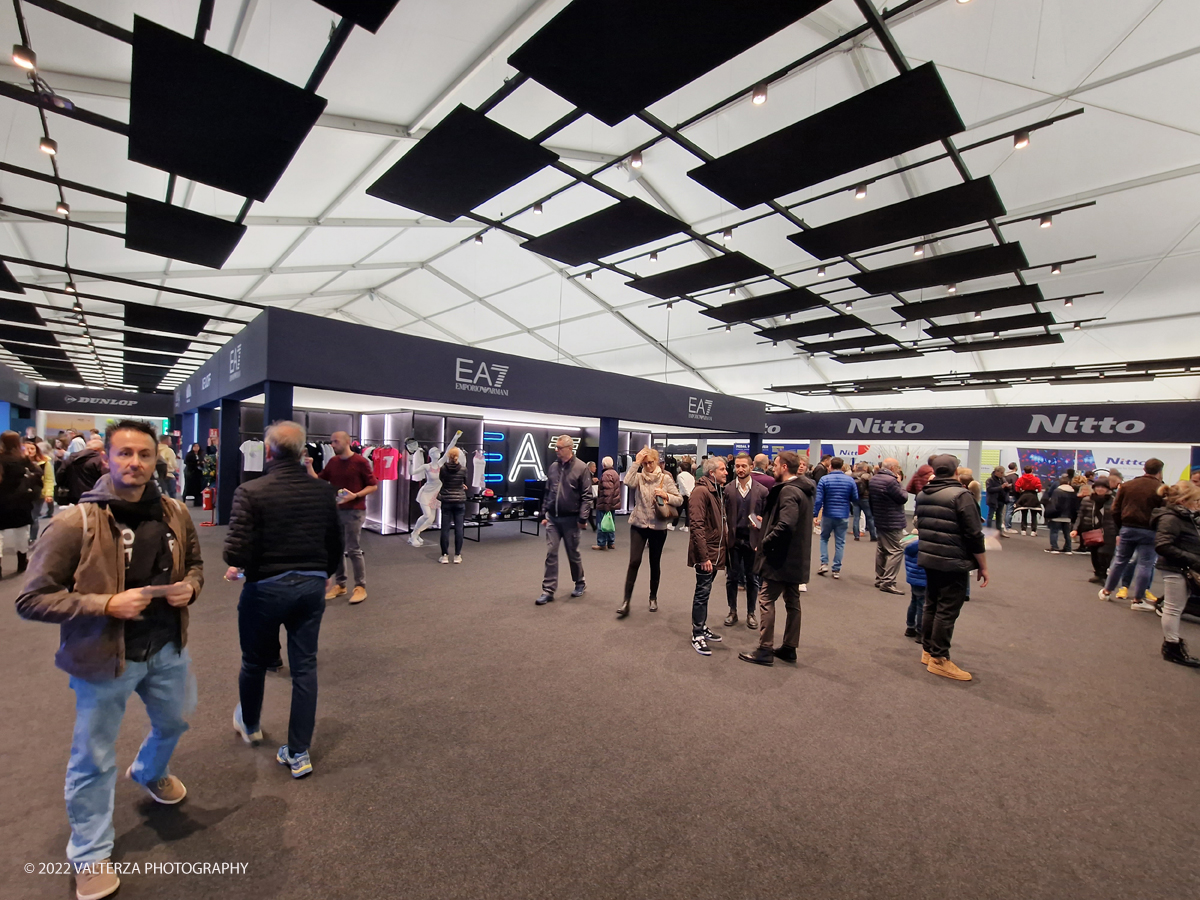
711,636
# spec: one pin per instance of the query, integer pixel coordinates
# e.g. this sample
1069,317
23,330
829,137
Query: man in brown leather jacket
708,539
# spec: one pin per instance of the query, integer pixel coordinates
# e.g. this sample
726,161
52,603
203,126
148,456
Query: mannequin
478,464
427,495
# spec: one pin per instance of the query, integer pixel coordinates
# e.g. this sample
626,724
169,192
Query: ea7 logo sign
235,363
700,408
482,379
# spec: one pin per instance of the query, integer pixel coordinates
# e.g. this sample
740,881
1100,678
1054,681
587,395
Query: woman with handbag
654,503
20,487
1177,539
1094,527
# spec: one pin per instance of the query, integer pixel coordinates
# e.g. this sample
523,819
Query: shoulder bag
662,508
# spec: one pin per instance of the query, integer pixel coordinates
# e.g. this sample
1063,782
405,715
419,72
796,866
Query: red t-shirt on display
385,461
352,473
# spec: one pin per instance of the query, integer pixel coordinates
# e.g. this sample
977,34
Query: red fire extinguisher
208,497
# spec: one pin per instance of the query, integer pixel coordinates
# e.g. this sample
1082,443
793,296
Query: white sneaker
457,559
1105,595
444,559
823,570
803,588
1142,605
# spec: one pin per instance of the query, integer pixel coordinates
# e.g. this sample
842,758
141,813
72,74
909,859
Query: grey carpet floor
471,745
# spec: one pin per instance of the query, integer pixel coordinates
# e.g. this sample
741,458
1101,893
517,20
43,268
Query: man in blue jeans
835,492
285,538
708,546
123,629
1136,501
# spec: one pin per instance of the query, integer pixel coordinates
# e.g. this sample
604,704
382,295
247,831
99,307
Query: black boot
22,562
1177,653
624,610
653,604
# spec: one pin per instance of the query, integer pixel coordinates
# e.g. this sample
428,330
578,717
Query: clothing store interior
442,414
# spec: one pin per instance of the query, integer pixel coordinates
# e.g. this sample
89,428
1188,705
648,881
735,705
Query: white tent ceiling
319,244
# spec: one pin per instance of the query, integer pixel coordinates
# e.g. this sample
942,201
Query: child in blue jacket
915,575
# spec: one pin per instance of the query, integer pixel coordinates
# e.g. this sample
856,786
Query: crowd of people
124,615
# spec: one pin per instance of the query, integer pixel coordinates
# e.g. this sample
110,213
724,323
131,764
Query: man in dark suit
783,559
745,499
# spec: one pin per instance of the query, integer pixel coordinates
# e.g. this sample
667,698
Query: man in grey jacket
565,508
887,500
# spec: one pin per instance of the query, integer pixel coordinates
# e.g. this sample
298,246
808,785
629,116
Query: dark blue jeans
916,607
857,506
1129,541
452,517
296,602
704,583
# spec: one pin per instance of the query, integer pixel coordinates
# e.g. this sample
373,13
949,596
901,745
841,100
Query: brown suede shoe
925,657
95,880
947,669
168,790
334,592
359,594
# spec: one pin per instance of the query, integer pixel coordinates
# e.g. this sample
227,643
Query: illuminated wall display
528,461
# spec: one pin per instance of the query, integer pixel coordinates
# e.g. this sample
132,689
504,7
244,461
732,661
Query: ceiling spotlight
788,317
1078,326
670,304
1047,221
729,328
963,2
636,160
1056,269
24,57
849,305
587,276
732,292
919,250
820,271
727,235
654,256
903,326
860,192
70,289
479,238
1068,303
1021,140
759,97
952,289
63,209
48,145
978,314
537,209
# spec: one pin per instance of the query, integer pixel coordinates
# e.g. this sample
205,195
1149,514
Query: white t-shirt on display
252,453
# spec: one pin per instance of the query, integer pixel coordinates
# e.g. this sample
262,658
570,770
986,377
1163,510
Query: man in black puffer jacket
951,545
286,537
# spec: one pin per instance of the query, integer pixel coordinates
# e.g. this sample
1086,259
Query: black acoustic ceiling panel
710,273
879,355
7,282
870,340
899,115
158,318
1035,340
828,325
27,335
177,233
953,207
177,346
20,312
209,117
781,303
980,301
949,268
465,160
368,14
614,58
629,223
983,326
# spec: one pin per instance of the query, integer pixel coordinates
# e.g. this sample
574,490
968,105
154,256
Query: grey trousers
352,523
888,556
1175,598
566,530
771,590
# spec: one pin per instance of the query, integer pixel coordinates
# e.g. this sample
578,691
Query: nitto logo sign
99,401
483,379
1064,424
884,426
235,363
699,408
